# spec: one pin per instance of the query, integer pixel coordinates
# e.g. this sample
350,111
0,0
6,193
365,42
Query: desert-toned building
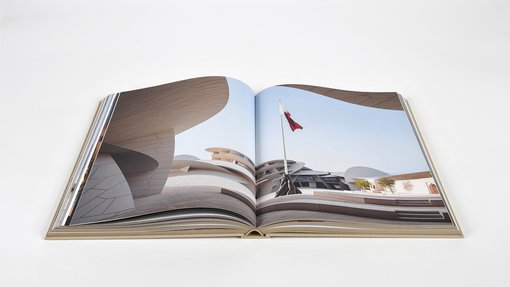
230,155
410,183
136,151
336,193
218,183
227,170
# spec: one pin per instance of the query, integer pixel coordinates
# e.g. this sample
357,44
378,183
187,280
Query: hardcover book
207,157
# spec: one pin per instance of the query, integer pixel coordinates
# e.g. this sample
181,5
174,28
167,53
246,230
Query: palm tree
386,182
362,184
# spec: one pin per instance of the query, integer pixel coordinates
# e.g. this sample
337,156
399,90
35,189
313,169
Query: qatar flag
293,125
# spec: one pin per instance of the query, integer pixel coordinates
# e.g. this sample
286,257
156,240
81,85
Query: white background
450,59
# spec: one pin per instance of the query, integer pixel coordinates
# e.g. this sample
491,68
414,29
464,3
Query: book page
182,146
351,157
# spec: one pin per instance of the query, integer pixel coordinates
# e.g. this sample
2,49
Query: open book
206,157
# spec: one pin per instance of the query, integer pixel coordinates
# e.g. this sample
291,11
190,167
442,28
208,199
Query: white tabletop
450,59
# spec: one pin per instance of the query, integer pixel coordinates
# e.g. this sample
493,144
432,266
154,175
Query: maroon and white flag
293,125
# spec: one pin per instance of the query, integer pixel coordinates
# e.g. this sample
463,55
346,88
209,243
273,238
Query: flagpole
286,169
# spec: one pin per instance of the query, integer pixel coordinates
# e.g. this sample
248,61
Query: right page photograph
350,160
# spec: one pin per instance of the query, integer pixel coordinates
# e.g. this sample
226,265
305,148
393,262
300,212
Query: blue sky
232,127
336,135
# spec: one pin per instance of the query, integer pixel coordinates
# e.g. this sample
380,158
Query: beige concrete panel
159,146
408,176
106,193
196,164
388,101
178,106
146,121
226,154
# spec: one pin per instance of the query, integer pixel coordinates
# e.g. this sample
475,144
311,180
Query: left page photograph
183,147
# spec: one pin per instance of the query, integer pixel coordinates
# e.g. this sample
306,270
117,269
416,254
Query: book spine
254,234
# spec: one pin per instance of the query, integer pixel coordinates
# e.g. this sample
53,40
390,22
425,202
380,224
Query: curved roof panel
388,101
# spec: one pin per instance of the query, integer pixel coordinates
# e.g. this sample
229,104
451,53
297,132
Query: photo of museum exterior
136,171
412,196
